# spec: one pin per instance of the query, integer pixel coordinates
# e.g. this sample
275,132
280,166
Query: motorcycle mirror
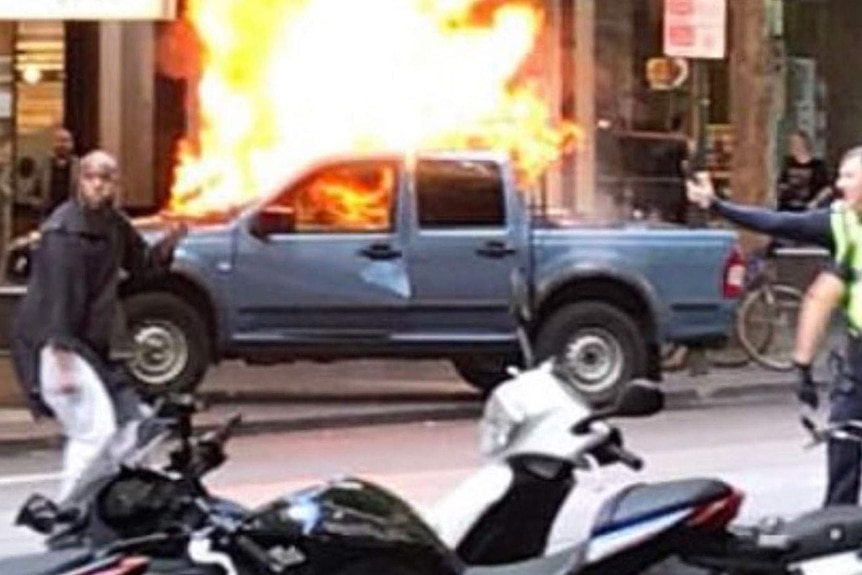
640,398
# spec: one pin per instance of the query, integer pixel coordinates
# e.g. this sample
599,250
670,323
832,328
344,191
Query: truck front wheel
598,347
170,345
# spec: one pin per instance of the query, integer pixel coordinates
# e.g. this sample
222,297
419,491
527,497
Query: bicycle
764,325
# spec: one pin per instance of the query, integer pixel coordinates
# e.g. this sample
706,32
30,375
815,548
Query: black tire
157,321
592,333
484,372
766,325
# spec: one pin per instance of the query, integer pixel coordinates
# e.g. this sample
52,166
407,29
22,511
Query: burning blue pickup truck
390,256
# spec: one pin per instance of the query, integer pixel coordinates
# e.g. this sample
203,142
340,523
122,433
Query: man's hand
700,190
176,232
806,391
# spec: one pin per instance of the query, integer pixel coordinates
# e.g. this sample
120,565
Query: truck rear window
453,193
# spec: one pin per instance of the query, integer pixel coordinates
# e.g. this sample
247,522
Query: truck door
462,250
323,259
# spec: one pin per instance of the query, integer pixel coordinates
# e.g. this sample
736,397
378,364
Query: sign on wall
87,9
695,28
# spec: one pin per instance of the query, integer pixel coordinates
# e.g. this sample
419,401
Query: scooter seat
50,563
824,531
643,502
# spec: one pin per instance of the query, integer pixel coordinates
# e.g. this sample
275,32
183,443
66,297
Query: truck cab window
345,198
457,194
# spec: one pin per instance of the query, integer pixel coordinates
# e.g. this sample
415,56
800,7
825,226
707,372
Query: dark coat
72,293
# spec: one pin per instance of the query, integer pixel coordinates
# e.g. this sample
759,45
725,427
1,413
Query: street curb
243,397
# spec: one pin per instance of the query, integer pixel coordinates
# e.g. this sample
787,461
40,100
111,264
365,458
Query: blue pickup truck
392,256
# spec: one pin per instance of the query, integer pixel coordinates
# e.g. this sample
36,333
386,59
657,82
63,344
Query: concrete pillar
126,90
585,104
138,97
110,87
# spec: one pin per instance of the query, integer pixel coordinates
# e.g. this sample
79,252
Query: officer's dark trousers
845,457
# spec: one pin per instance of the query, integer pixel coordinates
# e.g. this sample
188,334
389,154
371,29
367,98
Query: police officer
838,229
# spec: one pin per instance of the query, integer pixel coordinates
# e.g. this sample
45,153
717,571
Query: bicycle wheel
766,325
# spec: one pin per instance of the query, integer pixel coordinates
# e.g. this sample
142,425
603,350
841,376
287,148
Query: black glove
806,391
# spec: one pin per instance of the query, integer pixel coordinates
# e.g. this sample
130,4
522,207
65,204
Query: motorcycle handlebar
232,529
625,457
610,448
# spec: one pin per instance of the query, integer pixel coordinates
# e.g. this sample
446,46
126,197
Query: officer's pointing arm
812,227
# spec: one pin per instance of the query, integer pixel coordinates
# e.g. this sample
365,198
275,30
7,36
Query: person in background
58,172
804,179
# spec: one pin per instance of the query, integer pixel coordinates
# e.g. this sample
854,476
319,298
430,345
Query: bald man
62,329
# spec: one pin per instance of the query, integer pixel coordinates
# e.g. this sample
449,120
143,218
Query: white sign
695,28
87,9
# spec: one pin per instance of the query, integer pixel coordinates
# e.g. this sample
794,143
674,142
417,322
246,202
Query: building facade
124,85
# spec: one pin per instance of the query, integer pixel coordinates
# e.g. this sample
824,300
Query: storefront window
7,98
646,115
39,49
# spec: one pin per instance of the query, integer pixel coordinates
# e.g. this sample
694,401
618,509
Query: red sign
695,28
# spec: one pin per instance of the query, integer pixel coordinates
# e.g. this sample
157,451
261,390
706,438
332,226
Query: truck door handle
496,249
380,252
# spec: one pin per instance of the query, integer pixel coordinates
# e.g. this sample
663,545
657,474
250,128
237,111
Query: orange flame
286,82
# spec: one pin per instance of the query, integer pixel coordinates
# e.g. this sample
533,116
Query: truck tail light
734,273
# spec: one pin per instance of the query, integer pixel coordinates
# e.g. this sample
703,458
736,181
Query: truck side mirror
273,220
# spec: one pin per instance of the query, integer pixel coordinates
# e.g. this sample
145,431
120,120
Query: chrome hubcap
161,352
594,360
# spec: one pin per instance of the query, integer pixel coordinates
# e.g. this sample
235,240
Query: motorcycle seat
50,563
824,531
645,501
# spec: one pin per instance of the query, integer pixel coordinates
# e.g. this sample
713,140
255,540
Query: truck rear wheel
171,350
598,347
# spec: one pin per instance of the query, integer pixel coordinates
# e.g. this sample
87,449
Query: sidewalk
309,396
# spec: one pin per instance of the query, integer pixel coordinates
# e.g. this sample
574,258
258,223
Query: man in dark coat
62,330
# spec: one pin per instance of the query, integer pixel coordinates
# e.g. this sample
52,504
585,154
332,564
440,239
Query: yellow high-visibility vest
847,235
